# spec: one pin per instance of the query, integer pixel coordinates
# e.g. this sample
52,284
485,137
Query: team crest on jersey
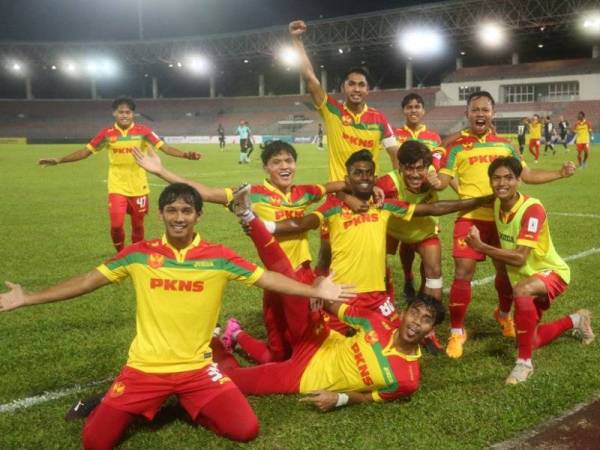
401,139
461,243
275,201
371,337
117,389
112,139
467,146
347,120
156,260
346,213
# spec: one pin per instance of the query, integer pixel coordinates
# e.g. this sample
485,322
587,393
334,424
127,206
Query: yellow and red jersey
178,297
365,362
269,203
467,159
583,131
535,129
125,177
418,228
526,224
430,138
348,132
358,241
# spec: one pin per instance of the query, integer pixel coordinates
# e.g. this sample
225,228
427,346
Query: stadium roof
527,70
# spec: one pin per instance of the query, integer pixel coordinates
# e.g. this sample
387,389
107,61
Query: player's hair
510,162
536,115
410,152
272,148
477,94
123,100
431,303
182,191
360,70
410,97
360,155
581,113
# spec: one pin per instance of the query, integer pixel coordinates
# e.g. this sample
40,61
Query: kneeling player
537,273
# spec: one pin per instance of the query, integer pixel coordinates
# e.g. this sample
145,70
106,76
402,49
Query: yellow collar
482,139
415,133
356,117
271,187
124,132
390,350
507,217
180,254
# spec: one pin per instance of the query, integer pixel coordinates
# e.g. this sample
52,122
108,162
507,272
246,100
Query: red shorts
487,231
392,244
379,302
555,286
121,204
582,147
534,143
142,393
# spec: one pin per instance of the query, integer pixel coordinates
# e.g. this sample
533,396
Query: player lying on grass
467,158
358,239
380,362
179,281
127,183
537,273
276,199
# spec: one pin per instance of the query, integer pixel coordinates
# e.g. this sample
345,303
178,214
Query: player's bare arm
172,151
444,181
393,154
151,162
17,297
296,225
77,155
297,28
443,207
530,176
516,257
328,400
322,287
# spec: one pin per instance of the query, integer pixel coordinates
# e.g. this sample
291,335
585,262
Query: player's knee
245,430
522,298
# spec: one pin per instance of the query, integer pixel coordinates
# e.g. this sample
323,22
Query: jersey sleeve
315,192
239,269
327,209
399,208
532,223
97,142
381,396
151,137
357,317
389,138
388,186
116,269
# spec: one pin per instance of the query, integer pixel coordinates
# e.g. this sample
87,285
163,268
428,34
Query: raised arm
152,163
77,155
297,28
449,206
16,297
530,176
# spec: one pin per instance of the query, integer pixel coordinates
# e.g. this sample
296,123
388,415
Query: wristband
342,400
270,226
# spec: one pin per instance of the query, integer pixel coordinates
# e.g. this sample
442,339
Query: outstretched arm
449,206
516,257
323,287
292,226
152,163
16,297
545,176
172,151
297,28
328,400
77,155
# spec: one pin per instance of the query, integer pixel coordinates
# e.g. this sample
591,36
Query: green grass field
55,224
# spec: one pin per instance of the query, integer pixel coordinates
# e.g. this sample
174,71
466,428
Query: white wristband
270,226
342,400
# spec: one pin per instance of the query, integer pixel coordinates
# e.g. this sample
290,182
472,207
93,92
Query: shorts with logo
143,393
120,204
487,231
379,302
582,147
555,286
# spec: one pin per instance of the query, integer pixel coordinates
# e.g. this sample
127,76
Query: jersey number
387,308
141,202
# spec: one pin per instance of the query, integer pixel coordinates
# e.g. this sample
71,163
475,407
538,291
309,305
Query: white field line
589,216
28,402
47,396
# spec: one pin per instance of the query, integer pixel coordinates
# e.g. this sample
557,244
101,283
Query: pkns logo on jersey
482,159
166,284
358,142
290,214
361,365
363,218
275,201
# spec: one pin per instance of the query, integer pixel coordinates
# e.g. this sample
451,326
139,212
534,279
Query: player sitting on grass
179,281
380,362
537,273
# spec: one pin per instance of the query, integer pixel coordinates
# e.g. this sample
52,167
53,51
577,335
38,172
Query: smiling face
413,113
505,184
361,178
281,168
480,112
417,321
413,175
123,115
180,219
356,89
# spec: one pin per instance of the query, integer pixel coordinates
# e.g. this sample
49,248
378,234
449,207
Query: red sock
504,289
137,227
546,333
526,319
118,237
460,297
221,356
256,349
270,254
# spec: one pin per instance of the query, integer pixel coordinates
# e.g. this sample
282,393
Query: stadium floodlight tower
19,69
590,25
417,43
492,35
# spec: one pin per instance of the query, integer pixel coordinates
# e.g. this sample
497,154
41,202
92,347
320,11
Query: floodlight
198,64
246,61
170,64
53,67
540,45
420,42
591,22
492,35
288,56
69,67
91,67
108,68
179,64
341,51
16,67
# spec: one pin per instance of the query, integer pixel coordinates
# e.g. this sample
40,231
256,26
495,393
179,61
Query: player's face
580,116
480,113
281,169
413,113
179,218
505,183
361,179
356,89
414,175
123,115
417,322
